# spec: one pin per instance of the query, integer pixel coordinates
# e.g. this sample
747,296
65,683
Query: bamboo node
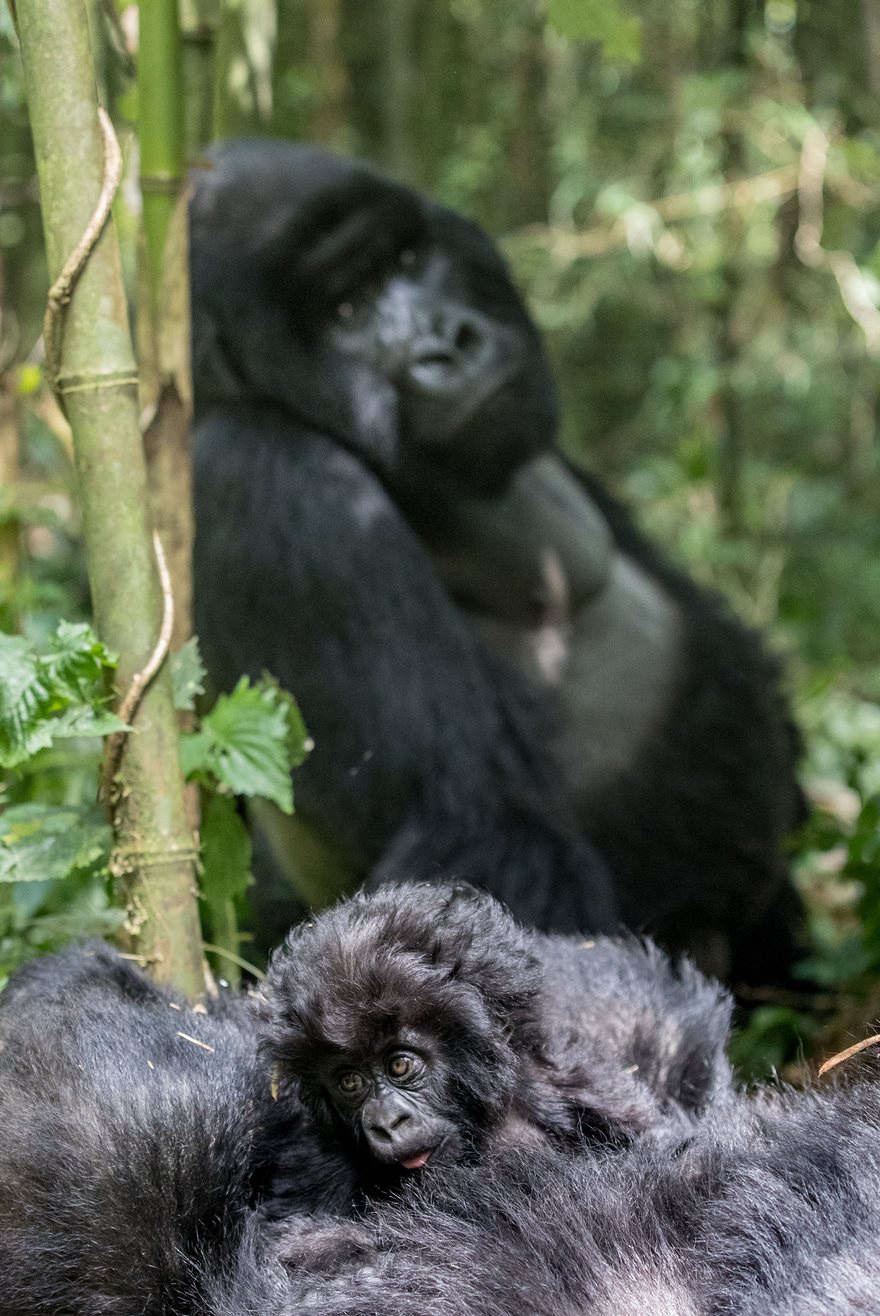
125,862
94,382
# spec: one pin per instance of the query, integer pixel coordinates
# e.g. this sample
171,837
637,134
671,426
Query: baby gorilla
420,1025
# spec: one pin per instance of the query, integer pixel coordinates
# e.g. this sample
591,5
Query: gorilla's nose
386,1126
454,333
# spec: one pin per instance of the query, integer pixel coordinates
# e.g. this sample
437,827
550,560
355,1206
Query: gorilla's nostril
466,337
386,1129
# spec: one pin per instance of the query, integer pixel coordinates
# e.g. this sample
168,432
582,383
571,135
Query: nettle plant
55,841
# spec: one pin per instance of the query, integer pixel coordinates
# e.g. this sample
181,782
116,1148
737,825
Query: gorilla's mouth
416,1162
420,1160
435,413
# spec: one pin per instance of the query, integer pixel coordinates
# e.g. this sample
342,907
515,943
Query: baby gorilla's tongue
416,1162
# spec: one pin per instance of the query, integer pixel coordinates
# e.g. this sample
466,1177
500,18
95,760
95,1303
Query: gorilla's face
396,1102
370,314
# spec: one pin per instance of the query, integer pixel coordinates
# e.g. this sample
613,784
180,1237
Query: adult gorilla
501,676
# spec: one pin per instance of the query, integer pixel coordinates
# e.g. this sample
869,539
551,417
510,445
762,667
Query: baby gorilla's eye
350,1083
400,1066
407,258
345,311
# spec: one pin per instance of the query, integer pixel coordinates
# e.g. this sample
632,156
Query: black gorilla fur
523,1038
770,1209
503,679
126,1149
137,1133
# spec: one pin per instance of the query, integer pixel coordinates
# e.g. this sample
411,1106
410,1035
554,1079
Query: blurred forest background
689,194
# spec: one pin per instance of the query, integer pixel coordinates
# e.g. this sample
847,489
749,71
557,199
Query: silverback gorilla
504,681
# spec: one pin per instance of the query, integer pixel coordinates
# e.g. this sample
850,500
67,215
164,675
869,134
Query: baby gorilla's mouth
416,1162
420,1160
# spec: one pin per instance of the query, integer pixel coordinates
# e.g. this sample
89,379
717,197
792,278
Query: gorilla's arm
423,757
532,555
674,736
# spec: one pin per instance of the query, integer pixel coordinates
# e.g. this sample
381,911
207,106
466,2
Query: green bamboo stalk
160,124
163,333
154,861
199,24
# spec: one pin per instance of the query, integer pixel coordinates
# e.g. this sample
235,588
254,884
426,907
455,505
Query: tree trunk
154,860
163,304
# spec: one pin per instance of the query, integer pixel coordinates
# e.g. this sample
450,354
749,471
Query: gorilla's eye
345,311
401,1065
407,258
350,1083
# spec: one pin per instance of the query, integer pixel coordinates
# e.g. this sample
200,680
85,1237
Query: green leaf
56,694
245,743
226,849
76,660
187,675
299,742
42,843
82,721
599,20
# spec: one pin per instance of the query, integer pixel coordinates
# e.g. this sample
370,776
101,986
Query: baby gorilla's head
405,1020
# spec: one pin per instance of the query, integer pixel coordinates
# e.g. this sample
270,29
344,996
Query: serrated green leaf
599,20
244,743
299,742
187,675
55,694
42,843
226,849
196,750
76,660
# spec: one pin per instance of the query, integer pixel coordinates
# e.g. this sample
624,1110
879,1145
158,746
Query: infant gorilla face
395,1102
403,1021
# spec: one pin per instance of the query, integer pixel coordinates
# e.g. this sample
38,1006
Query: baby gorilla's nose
387,1126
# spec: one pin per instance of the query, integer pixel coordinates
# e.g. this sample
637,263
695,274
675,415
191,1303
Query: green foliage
598,20
45,843
187,676
37,917
249,742
55,844
226,848
59,694
774,1034
680,336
